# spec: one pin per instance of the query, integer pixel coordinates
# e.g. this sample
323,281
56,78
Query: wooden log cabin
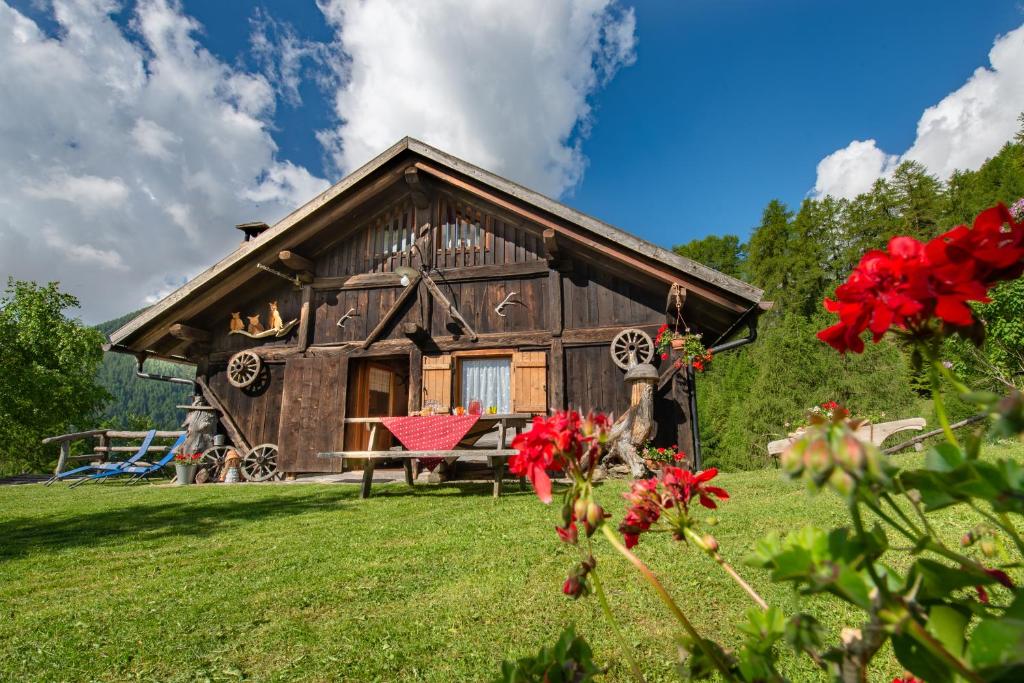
422,278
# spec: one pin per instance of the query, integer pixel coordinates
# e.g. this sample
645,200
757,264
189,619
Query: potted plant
185,467
655,457
689,346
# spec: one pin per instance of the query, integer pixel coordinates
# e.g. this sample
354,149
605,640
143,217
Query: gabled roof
275,237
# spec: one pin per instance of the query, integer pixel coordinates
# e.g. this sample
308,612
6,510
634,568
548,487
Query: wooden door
312,414
379,388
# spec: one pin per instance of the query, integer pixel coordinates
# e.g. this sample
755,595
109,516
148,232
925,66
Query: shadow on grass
148,521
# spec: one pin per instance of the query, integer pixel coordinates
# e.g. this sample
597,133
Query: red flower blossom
910,284
536,456
664,356
682,485
679,456
906,678
644,510
982,594
1000,576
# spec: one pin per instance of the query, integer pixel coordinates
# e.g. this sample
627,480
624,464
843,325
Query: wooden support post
555,314
364,489
556,376
681,388
305,315
415,379
407,465
498,464
234,433
450,307
413,330
392,312
103,441
188,333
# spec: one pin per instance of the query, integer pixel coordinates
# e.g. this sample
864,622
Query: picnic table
432,438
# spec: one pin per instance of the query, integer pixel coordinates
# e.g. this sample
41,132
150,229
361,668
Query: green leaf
944,457
980,398
997,648
948,624
919,661
804,632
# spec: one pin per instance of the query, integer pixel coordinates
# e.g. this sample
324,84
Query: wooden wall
257,409
594,297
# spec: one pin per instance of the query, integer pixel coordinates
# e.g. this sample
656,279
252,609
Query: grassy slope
308,582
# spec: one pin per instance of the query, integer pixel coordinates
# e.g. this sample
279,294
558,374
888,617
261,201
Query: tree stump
636,426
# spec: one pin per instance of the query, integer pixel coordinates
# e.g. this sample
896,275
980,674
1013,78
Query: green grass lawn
308,582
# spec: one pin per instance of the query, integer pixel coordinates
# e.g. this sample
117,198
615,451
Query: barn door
529,382
312,414
437,382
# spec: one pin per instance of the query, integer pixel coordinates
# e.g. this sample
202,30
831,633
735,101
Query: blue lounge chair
141,472
86,470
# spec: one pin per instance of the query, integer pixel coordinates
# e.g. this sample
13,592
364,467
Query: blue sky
729,103
164,123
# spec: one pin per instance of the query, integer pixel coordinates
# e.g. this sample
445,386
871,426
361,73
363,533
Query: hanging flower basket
688,347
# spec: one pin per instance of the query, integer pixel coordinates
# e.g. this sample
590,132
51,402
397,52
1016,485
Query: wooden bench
875,433
496,458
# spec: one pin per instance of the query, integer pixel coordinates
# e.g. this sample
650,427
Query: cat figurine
254,324
236,322
275,317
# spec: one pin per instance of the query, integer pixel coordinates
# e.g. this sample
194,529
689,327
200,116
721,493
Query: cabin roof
276,236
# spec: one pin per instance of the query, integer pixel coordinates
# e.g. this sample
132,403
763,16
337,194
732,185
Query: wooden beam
413,330
397,306
601,248
188,333
556,321
236,435
467,274
449,307
296,262
305,315
556,376
417,188
415,379
551,245
498,340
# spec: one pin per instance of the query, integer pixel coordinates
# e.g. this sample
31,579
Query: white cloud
967,127
849,171
129,153
505,85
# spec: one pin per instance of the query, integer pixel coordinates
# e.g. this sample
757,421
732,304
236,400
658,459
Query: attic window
459,230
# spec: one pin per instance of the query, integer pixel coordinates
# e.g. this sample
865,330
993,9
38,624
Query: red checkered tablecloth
430,433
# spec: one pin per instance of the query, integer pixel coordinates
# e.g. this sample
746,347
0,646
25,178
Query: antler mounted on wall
507,301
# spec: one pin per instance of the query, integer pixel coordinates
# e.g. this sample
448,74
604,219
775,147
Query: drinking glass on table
474,407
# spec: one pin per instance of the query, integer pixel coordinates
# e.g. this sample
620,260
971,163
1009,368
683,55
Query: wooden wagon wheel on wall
243,368
260,463
632,347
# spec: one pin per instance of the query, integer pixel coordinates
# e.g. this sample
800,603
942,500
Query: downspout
691,383
140,359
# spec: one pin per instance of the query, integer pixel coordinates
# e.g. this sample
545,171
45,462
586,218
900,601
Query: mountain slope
136,398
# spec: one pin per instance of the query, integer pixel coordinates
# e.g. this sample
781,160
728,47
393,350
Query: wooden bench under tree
875,433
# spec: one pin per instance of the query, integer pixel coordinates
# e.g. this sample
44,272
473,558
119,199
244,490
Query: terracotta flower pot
677,343
652,465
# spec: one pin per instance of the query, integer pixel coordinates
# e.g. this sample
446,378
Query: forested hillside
139,402
799,257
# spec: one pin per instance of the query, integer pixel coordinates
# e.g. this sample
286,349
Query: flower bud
792,459
843,482
710,542
850,454
573,586
817,461
988,547
567,514
580,508
595,515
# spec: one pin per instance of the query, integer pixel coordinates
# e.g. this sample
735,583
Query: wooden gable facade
405,272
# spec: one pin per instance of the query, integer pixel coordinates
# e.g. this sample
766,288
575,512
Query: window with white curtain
488,380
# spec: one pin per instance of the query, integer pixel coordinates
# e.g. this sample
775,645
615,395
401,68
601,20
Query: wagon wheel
632,347
212,462
243,369
260,464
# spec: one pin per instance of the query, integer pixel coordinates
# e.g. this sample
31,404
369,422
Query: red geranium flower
682,485
644,510
910,284
536,456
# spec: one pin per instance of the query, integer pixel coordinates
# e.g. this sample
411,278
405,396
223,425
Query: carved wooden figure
636,425
275,317
255,327
236,322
